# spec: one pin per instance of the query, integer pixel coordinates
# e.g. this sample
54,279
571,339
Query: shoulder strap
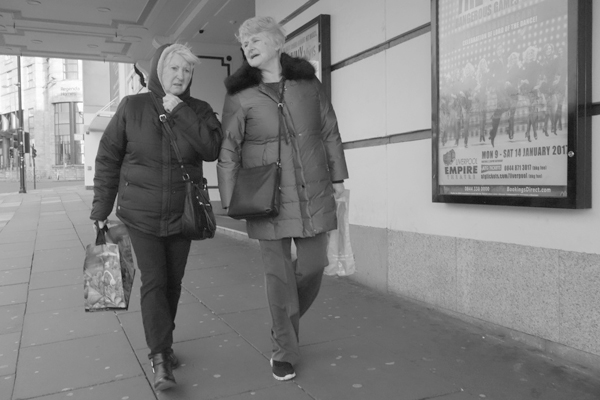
281,118
162,116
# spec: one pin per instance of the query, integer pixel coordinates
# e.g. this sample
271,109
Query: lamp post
21,136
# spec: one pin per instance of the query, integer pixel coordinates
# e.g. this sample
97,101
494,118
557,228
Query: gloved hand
99,225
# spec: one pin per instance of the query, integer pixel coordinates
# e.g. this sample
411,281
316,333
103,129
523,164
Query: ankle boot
173,358
163,371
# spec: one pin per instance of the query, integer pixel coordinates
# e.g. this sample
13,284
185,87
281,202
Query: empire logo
449,157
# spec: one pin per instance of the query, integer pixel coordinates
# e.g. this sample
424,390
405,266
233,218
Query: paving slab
7,384
288,391
67,324
137,388
13,294
193,321
17,237
355,369
232,298
9,351
11,318
66,277
13,250
254,326
56,367
15,263
59,259
13,276
216,367
20,224
221,276
59,244
56,298
50,226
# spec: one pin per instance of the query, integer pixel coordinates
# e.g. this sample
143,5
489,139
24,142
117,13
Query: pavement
356,343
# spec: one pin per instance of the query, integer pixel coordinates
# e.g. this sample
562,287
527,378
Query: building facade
58,98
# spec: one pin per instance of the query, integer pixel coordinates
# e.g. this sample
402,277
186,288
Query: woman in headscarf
313,170
137,164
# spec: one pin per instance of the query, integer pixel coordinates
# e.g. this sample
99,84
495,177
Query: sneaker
282,371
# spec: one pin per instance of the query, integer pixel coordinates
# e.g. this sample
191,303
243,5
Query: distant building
59,99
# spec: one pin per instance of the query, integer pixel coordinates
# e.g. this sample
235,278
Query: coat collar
292,68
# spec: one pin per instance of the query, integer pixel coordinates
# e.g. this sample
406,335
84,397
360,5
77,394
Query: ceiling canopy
117,30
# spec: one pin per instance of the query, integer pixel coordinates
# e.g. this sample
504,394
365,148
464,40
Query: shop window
68,133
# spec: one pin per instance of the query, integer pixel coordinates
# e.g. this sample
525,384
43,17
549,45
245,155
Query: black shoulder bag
257,193
198,219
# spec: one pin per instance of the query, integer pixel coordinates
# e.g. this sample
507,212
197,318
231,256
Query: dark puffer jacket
135,158
311,153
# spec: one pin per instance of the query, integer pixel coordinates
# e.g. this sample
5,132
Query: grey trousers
291,286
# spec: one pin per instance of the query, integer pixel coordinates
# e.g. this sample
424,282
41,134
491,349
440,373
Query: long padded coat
135,158
312,156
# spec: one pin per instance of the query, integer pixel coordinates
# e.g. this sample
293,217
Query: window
68,133
71,69
29,76
31,121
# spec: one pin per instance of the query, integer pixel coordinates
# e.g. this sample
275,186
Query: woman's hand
170,102
339,189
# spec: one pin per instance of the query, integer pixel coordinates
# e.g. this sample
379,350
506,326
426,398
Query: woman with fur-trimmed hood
313,171
137,165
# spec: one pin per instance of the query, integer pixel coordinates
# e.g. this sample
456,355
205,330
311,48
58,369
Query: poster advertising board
312,42
511,113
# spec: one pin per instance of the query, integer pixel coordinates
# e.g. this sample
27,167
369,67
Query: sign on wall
312,42
66,91
511,102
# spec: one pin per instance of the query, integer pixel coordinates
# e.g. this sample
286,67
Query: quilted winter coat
136,162
311,151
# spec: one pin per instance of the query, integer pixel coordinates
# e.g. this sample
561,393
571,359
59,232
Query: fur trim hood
292,68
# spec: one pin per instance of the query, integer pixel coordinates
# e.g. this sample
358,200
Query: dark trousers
292,286
161,261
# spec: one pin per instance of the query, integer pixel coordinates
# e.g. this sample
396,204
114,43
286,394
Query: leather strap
281,119
162,116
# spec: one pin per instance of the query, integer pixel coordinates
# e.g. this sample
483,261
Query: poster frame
578,96
323,22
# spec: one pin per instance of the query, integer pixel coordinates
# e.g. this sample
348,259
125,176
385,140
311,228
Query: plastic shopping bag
108,270
339,249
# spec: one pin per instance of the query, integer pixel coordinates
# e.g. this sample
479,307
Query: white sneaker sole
282,378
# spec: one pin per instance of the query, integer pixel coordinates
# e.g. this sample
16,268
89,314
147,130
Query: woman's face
259,50
176,75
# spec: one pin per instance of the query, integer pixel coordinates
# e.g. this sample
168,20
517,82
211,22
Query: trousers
292,287
161,261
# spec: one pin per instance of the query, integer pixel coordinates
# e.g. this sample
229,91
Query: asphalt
356,343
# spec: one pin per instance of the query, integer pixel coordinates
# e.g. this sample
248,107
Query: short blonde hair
184,51
268,25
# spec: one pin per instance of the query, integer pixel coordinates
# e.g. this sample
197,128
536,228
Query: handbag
198,220
257,192
108,270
